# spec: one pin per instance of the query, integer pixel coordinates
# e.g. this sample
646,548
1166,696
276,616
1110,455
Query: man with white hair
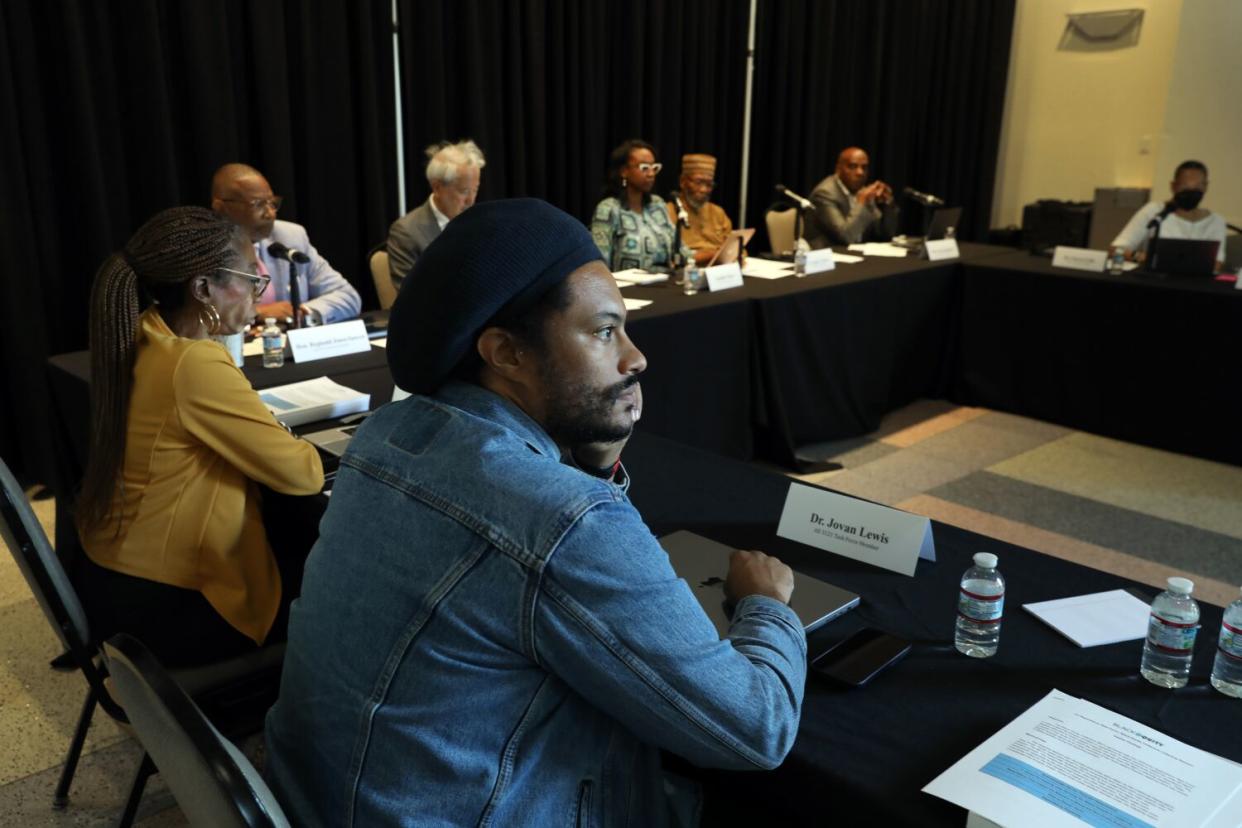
453,173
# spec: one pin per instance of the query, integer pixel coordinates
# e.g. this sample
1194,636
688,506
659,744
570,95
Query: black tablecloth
1136,357
863,755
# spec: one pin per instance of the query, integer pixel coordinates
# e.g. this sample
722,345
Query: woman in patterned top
631,224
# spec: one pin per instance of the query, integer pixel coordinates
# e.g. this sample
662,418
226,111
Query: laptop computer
944,223
704,564
1184,257
732,248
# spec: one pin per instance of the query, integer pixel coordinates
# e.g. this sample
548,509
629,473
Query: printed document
1099,618
1068,762
311,400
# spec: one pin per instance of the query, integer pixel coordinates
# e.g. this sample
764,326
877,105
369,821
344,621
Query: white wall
1075,121
1203,119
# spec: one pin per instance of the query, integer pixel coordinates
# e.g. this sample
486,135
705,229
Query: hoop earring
209,318
625,182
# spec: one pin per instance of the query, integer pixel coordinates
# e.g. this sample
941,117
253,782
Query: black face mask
1187,199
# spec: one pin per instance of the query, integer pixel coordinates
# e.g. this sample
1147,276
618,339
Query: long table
1137,357
863,755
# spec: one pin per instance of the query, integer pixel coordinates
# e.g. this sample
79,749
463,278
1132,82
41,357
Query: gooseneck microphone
289,254
805,204
294,258
682,216
924,198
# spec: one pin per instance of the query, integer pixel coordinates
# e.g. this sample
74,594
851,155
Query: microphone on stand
294,258
682,216
805,204
926,199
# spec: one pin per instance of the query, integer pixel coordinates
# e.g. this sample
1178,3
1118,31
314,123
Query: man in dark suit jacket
846,211
453,172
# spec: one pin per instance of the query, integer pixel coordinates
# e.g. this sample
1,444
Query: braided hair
173,247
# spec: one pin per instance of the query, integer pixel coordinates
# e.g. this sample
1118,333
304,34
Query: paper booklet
1095,619
311,400
1066,762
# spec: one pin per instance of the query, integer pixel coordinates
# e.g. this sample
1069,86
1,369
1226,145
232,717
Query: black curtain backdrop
919,84
113,111
548,87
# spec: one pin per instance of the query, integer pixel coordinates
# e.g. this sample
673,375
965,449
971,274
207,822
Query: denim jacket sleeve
615,623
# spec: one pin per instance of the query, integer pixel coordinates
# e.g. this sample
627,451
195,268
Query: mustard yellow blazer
198,441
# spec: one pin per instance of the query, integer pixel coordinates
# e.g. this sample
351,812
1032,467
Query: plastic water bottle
1227,669
1117,261
980,606
691,278
799,262
273,344
1171,633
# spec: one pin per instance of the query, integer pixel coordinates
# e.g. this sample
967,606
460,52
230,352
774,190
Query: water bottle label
982,609
1171,637
1231,642
272,342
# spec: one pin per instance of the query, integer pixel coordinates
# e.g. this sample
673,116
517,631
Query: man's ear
501,352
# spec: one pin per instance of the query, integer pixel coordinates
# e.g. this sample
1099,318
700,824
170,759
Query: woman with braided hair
169,509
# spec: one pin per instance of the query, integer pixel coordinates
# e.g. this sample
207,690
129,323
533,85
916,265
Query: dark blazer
833,222
408,237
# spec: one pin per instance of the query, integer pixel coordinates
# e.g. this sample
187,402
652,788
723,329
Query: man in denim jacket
488,634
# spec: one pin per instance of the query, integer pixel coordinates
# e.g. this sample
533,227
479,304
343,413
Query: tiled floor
1121,508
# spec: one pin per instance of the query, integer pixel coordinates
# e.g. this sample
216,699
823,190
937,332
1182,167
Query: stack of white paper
1099,618
311,400
879,249
1066,762
638,276
635,304
758,268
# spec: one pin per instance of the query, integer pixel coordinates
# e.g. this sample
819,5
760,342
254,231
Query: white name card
855,529
723,277
1080,258
817,261
310,344
940,249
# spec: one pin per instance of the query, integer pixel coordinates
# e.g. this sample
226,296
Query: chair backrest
1233,249
381,274
781,229
39,565
213,781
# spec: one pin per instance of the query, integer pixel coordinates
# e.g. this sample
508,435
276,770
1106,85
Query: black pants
179,625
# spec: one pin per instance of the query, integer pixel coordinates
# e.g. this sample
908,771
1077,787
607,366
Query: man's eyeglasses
702,182
258,204
654,169
258,281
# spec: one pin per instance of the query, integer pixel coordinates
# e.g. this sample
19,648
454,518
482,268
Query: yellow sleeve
217,405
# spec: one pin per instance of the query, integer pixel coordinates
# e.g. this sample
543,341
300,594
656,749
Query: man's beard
580,413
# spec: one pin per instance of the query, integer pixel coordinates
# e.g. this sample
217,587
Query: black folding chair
237,691
213,782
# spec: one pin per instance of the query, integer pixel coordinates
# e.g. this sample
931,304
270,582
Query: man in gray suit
453,172
846,211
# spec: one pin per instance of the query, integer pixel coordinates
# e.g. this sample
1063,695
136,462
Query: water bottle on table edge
1171,631
691,278
980,607
1227,669
273,344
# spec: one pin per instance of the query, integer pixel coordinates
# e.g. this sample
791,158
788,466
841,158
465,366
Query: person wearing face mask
169,511
1180,218
631,225
706,225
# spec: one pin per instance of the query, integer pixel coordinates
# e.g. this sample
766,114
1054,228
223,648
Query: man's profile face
852,169
238,203
453,199
588,368
697,188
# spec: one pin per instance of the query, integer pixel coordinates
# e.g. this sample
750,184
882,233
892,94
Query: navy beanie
496,255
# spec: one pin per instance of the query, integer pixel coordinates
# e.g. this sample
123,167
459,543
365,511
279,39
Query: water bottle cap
985,559
270,320
1182,586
